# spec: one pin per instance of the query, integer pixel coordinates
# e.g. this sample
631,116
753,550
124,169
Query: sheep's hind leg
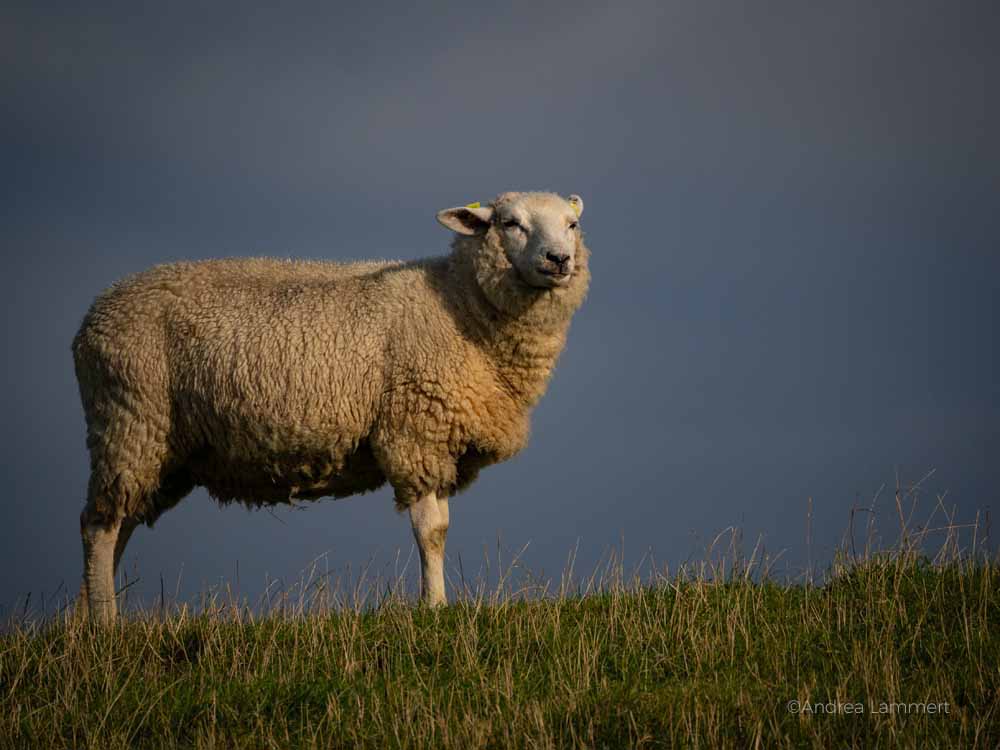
95,535
429,517
105,529
98,590
124,534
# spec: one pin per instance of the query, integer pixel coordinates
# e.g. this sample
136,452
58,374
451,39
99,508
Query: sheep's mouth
556,275
543,277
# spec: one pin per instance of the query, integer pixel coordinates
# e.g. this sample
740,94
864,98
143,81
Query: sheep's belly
284,479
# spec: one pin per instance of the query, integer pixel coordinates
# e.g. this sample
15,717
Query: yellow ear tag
576,207
472,205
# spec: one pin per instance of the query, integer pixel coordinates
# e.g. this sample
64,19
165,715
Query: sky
793,210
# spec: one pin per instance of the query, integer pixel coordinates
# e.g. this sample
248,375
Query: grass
708,657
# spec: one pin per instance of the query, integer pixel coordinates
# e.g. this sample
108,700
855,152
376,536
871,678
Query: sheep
268,381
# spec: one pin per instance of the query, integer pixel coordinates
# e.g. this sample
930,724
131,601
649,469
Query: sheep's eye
573,225
512,224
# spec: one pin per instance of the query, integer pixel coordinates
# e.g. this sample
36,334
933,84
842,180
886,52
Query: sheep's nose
559,259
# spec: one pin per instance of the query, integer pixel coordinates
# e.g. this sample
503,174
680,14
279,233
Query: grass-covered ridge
889,648
679,661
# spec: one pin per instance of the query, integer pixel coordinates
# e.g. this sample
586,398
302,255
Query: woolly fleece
267,381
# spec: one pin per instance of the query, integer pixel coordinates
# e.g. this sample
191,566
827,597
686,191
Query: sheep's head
527,253
539,233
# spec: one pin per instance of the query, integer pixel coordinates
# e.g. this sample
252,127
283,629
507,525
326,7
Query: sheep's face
539,233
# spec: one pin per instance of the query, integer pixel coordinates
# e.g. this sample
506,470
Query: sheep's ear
577,203
471,219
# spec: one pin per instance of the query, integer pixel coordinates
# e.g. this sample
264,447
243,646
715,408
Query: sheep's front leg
429,517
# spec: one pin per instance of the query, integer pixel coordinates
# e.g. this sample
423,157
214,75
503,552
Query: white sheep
266,381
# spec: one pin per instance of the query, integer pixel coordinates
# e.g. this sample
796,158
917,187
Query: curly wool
266,381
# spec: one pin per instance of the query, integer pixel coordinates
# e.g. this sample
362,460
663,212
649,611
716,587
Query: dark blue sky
794,212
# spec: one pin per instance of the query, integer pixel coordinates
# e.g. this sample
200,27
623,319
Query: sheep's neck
522,344
523,358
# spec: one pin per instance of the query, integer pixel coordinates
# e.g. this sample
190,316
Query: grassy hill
893,651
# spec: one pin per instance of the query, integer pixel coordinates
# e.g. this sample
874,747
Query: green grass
709,658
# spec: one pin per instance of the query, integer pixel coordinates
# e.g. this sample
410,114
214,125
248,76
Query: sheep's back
286,354
244,363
